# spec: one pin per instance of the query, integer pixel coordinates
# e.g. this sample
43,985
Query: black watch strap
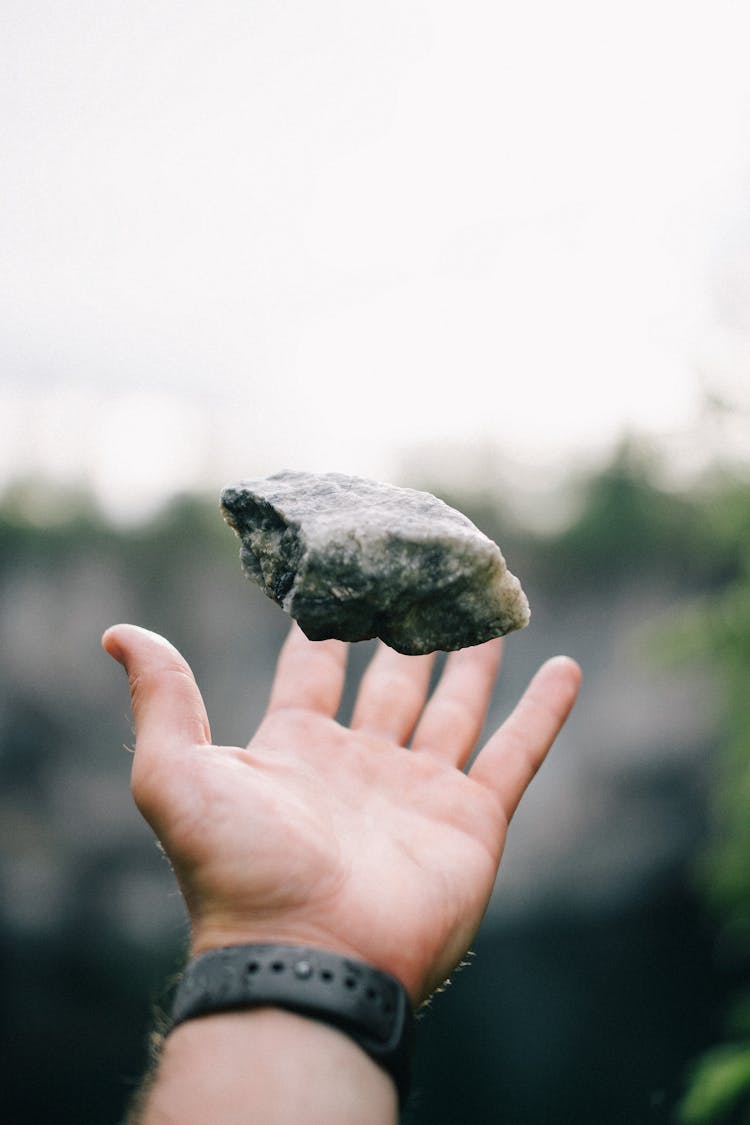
370,1006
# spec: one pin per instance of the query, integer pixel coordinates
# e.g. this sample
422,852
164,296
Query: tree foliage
718,627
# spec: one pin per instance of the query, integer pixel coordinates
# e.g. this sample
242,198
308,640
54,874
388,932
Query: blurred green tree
717,627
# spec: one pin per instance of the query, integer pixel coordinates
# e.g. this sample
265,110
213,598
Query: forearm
266,1067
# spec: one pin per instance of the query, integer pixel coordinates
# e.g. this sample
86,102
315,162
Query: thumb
168,710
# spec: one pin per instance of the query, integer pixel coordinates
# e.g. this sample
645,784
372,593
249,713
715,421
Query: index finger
309,674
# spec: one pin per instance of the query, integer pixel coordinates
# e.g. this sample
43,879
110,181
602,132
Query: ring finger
453,719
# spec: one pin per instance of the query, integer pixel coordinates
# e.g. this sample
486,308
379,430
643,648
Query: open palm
371,839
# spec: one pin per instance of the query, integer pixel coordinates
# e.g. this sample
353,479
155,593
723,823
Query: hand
340,838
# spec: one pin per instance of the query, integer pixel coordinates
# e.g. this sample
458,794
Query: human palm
371,839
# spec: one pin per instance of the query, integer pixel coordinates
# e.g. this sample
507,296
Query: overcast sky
242,236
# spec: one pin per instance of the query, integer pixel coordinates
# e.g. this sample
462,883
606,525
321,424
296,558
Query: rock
354,559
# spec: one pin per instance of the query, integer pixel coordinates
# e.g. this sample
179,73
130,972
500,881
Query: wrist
370,1007
267,1065
207,936
217,934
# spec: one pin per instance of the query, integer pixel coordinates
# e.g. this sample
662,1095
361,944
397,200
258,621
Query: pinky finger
512,756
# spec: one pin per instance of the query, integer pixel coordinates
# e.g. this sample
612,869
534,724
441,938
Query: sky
388,238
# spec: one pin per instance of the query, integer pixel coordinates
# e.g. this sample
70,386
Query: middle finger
392,694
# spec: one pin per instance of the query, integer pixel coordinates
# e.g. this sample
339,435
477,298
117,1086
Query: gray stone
354,559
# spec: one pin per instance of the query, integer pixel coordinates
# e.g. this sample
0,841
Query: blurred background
501,252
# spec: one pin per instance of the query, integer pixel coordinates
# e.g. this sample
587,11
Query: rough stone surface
354,559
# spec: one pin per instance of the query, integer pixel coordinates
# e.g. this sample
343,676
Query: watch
370,1006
